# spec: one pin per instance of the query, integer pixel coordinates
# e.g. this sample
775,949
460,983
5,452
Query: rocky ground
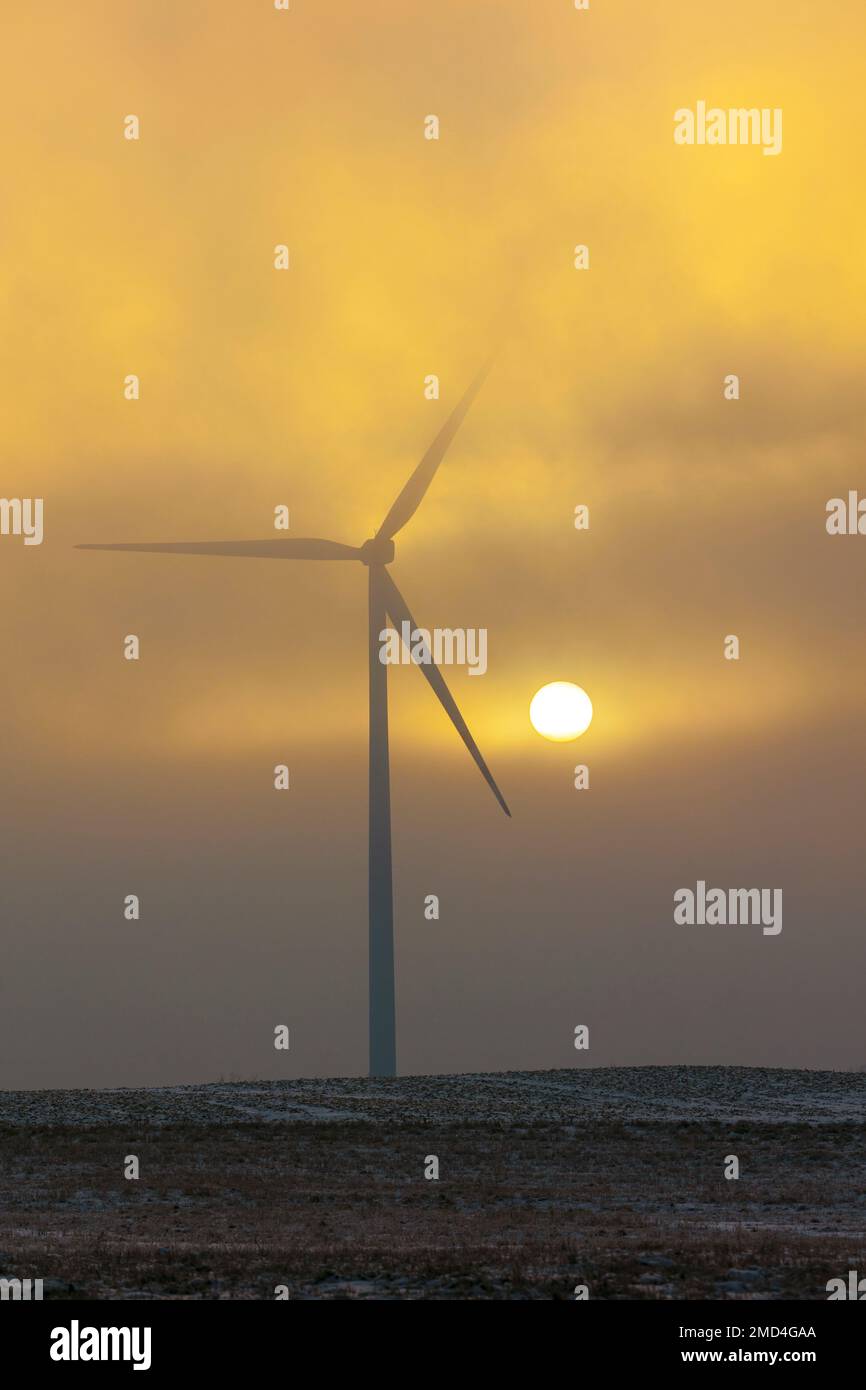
608,1177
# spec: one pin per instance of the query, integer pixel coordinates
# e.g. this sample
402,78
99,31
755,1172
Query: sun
560,711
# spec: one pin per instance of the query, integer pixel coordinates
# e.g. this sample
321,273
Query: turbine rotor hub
379,550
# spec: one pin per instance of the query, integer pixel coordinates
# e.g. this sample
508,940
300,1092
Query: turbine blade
286,549
413,492
396,607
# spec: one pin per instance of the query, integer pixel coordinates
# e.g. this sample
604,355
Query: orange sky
411,257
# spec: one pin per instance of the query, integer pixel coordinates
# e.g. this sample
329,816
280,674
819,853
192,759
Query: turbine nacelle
378,550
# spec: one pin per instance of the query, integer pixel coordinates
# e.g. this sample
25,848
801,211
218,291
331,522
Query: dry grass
339,1209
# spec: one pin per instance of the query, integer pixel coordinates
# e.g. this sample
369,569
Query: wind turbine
385,600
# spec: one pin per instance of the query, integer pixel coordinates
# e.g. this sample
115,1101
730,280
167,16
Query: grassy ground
547,1181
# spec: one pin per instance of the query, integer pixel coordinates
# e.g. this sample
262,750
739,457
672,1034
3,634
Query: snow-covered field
727,1094
610,1177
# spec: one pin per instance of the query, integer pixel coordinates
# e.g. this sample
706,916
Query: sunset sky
305,387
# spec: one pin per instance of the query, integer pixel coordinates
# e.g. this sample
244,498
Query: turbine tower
385,600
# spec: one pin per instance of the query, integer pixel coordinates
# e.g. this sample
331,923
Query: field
610,1177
